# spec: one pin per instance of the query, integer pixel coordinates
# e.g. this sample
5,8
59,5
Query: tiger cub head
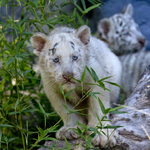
62,54
121,32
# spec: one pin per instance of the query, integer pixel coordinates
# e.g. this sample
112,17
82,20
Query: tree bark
136,123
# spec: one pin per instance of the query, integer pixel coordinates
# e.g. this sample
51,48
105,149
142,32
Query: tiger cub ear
104,27
83,33
38,41
128,10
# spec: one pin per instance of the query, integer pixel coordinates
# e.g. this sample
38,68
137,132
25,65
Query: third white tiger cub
65,52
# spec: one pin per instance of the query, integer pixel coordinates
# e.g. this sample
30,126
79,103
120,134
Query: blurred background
141,14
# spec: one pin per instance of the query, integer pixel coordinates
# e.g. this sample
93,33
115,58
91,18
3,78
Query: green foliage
25,112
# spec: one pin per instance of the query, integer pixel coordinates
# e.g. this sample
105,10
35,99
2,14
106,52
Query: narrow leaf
60,86
112,127
41,108
83,4
5,125
115,84
68,145
102,106
9,61
83,75
68,93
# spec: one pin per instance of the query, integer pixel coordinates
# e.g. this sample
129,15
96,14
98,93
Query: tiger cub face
62,54
121,32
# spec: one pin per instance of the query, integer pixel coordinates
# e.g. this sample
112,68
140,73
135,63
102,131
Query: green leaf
118,112
16,104
83,4
115,84
19,2
68,93
7,46
80,9
101,105
107,110
28,77
12,139
68,145
9,61
27,71
99,120
62,91
40,130
24,54
83,75
14,112
94,75
93,94
81,125
112,127
104,79
116,108
30,110
50,139
35,2
74,79
90,8
5,126
94,130
41,108
32,4
68,110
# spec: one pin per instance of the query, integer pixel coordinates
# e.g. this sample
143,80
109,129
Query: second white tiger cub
65,52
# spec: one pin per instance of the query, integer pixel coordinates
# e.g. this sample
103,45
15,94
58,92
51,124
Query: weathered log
136,123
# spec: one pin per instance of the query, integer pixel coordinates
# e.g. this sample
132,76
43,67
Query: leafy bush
25,112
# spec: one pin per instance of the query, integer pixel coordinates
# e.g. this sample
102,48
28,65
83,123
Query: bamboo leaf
5,126
68,145
101,105
61,88
90,8
83,75
12,139
36,2
9,61
118,112
68,93
112,127
41,108
115,84
27,71
16,104
7,46
83,4
80,9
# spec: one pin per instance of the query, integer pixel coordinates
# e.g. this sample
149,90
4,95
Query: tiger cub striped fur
133,66
125,39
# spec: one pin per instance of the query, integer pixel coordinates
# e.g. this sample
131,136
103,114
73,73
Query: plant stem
16,76
7,145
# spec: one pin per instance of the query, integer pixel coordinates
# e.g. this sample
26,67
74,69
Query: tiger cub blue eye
56,60
75,57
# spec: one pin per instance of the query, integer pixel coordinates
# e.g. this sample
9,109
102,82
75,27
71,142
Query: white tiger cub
121,32
65,52
125,39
